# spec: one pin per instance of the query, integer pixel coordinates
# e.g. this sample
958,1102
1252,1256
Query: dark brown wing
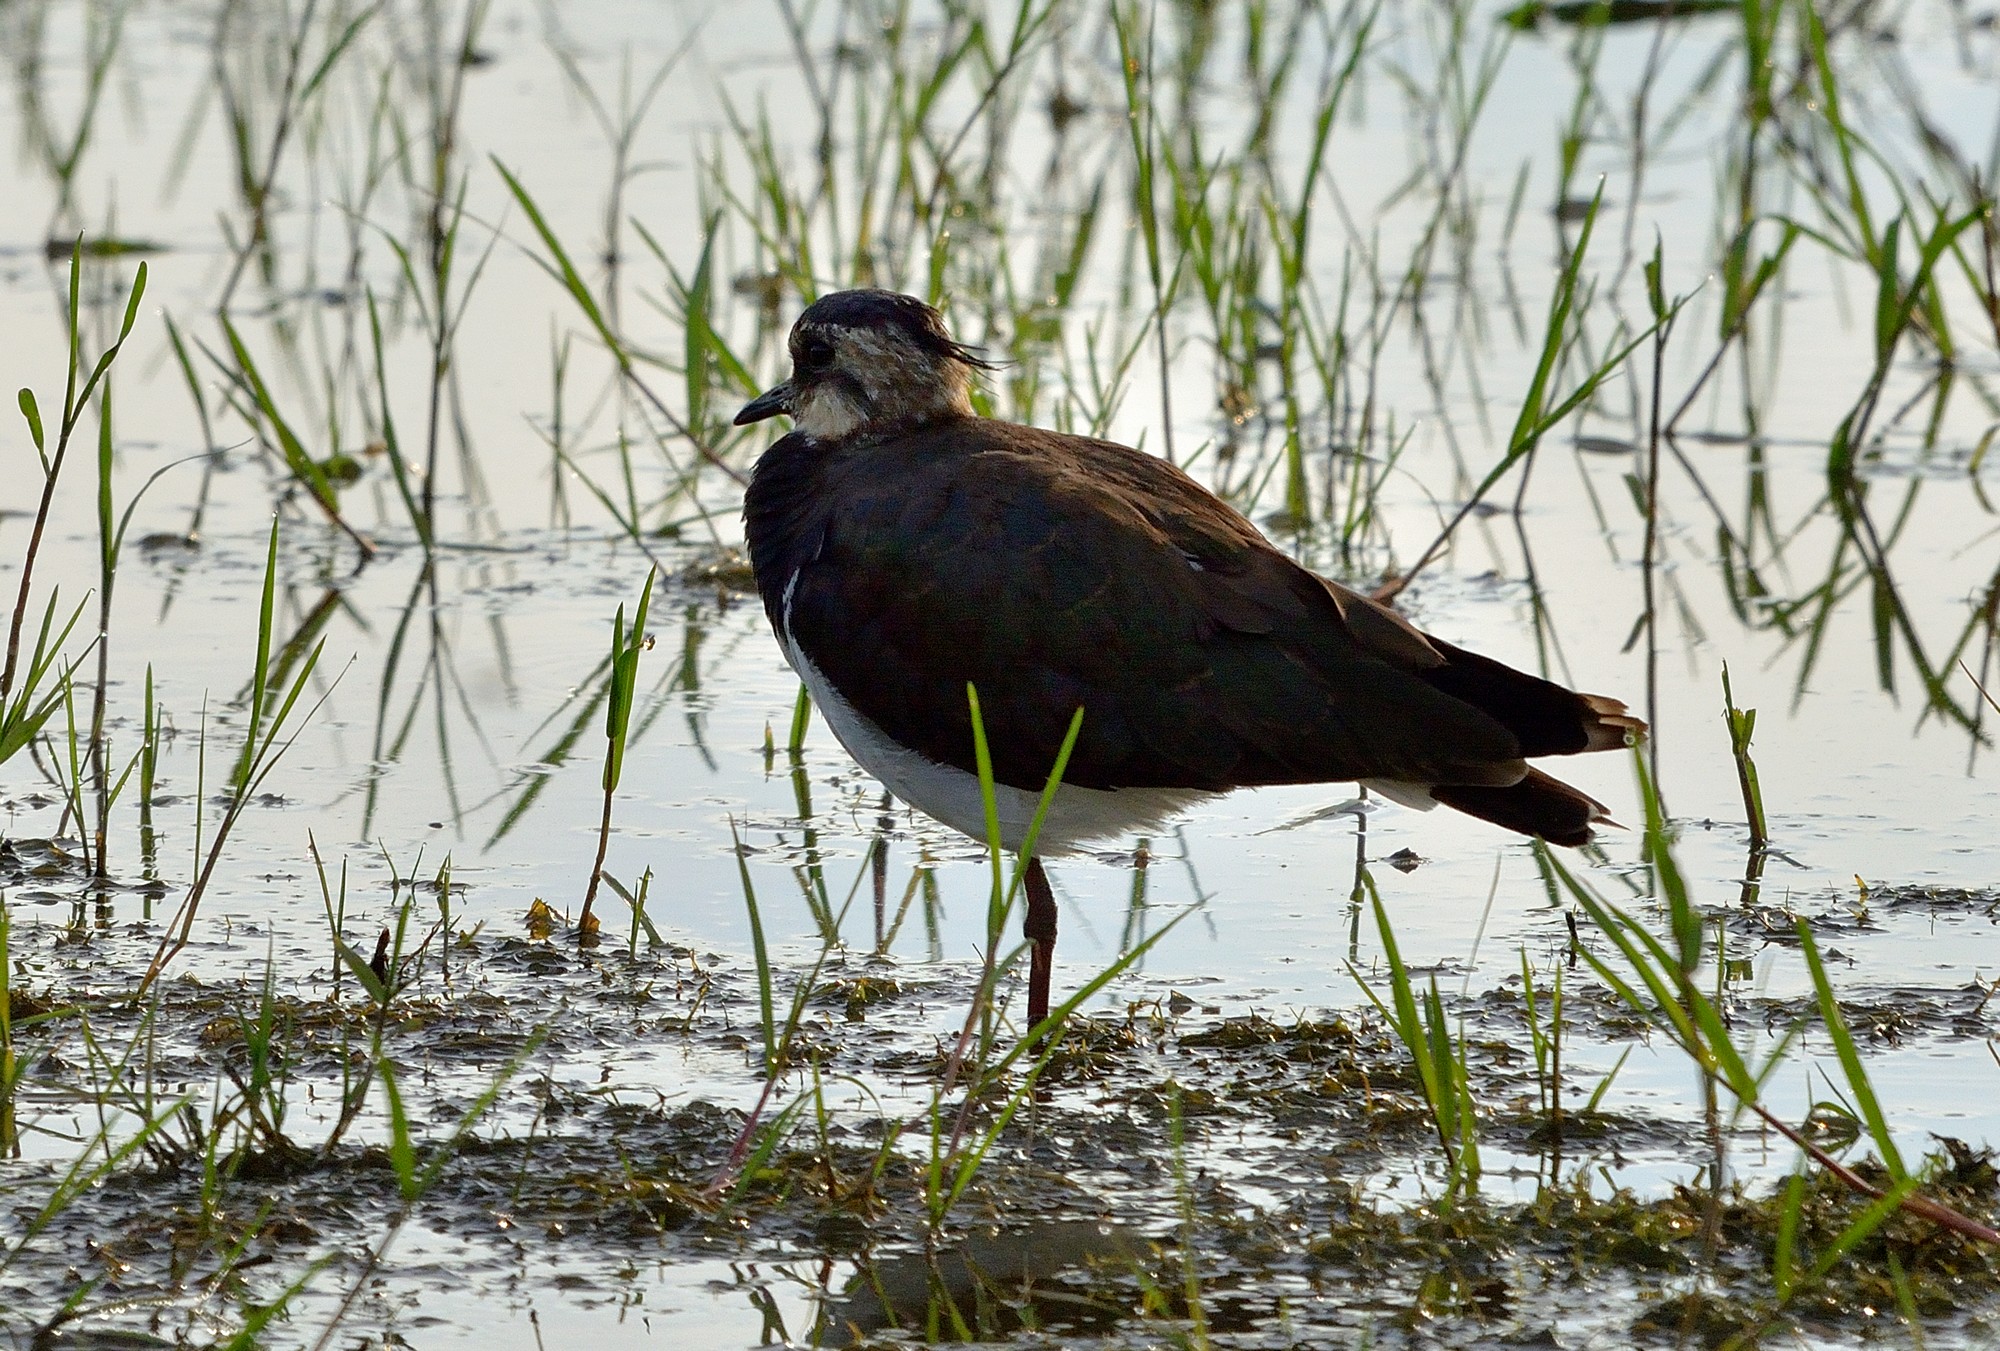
1054,572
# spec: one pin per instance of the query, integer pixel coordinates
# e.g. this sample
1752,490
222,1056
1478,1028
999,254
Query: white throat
826,413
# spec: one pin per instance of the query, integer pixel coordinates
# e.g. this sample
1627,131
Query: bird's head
865,363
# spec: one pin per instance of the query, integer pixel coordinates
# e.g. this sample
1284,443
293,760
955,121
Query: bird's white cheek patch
826,414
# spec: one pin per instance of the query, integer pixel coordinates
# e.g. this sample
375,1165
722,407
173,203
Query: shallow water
454,712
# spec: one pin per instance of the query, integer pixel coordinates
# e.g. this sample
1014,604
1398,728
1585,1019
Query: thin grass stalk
761,957
1742,287
1439,1056
103,29
420,518
1850,1057
43,689
1537,416
1742,724
70,758
1545,1044
952,1164
265,416
1136,64
623,677
107,572
1663,316
757,1140
1036,1046
297,88
1001,894
444,248
76,397
1690,1018
559,266
268,714
415,1182
10,1068
110,544
1197,1315
431,288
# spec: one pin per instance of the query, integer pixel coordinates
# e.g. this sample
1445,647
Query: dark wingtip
1546,718
1611,725
1537,805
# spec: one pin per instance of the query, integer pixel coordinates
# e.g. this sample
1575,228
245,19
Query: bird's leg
1039,928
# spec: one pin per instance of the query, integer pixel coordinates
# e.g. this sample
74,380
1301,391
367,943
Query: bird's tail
1536,805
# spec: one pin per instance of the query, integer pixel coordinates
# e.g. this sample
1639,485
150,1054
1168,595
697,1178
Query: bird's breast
785,517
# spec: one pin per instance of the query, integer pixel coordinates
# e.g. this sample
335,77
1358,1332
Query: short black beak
773,401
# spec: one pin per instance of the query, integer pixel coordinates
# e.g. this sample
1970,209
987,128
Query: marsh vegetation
375,610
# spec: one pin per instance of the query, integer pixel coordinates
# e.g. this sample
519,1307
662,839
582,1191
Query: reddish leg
1040,930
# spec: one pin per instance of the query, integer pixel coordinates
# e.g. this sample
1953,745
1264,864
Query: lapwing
906,547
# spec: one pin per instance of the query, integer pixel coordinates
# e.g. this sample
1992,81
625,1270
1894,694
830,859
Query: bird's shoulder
977,485
979,517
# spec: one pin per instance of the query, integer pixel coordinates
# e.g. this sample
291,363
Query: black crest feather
870,308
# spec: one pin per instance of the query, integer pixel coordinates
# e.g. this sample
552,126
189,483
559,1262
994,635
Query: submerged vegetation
1654,344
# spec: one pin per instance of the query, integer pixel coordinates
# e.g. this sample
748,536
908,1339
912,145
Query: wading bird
906,547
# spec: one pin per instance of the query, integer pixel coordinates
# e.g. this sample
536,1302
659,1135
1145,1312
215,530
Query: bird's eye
813,352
